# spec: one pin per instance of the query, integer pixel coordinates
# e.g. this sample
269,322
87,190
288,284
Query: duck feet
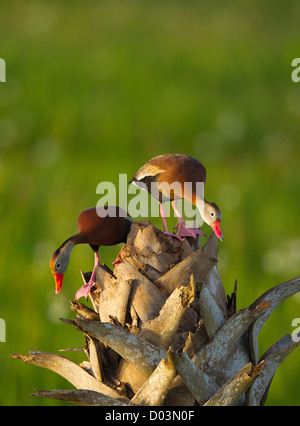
171,234
84,290
118,259
184,231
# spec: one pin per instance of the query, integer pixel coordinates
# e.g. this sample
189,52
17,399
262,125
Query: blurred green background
97,88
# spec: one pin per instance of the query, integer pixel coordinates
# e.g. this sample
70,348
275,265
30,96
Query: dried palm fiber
161,331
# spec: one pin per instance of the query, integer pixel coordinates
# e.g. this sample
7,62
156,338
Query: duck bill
58,282
216,226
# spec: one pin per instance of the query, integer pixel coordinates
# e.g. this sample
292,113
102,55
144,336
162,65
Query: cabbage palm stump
161,331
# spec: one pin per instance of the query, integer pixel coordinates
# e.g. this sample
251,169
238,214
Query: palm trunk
162,333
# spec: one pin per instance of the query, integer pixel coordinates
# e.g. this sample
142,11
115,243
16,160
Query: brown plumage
171,168
93,230
103,231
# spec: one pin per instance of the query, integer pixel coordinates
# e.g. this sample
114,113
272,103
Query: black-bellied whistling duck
93,230
171,168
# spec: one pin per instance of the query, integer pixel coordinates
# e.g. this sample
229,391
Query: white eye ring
212,214
57,265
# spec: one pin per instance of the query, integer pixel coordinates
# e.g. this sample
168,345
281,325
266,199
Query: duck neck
199,200
67,247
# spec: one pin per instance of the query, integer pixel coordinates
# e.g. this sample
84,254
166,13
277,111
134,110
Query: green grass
95,89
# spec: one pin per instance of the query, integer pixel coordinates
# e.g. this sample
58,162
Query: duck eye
57,266
212,214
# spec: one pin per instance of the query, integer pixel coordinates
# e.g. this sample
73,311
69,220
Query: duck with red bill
164,172
95,229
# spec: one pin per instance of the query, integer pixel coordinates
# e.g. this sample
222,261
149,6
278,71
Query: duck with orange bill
165,171
98,226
